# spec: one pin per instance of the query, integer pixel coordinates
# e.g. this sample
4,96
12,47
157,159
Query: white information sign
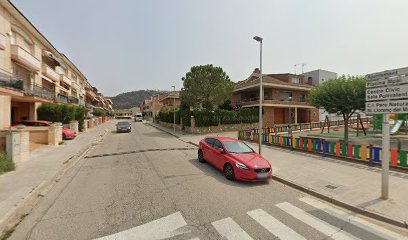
387,92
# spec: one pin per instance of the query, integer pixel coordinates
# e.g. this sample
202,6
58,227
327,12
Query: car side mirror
220,150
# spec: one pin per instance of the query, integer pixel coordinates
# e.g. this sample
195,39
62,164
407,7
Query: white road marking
229,229
364,224
161,228
273,225
320,225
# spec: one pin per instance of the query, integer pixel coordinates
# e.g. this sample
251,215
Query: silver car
123,126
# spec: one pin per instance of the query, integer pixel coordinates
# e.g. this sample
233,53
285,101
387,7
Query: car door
207,149
218,158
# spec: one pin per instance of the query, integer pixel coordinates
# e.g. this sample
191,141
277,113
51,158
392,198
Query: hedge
204,118
167,115
62,113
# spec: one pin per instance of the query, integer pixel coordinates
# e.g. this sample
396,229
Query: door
207,149
218,158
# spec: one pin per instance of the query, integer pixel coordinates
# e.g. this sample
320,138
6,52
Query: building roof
268,78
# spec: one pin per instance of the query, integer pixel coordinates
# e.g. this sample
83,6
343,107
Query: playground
373,132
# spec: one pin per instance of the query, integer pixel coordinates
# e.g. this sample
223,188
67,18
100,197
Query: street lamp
174,108
290,121
259,39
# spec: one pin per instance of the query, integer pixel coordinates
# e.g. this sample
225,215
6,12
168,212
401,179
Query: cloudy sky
124,45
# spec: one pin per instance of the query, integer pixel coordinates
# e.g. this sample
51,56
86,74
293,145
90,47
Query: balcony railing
11,82
73,99
62,98
22,56
39,91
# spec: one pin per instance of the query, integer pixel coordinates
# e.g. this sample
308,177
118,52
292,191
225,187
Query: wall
5,106
170,125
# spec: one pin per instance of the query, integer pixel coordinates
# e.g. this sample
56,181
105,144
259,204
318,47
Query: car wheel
229,172
201,156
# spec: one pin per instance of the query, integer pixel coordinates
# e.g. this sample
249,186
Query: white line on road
357,221
273,225
229,229
320,225
161,228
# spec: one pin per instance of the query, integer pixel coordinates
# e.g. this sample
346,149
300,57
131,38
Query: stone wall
220,128
170,125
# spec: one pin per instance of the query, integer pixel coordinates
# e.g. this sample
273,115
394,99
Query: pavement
353,185
21,189
148,184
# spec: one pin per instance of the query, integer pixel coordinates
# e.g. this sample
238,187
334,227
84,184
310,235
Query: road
148,184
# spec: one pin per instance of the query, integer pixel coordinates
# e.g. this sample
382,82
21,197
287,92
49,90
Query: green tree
206,86
342,96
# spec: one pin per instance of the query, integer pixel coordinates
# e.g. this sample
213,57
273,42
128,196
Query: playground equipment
359,123
400,120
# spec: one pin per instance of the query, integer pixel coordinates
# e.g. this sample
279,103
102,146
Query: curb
361,211
32,199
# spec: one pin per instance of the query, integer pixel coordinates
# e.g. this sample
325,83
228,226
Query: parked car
139,117
66,132
123,126
235,158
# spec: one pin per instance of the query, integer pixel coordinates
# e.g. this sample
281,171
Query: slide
394,129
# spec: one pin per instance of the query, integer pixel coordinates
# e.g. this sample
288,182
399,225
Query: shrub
204,118
98,112
6,164
62,113
166,115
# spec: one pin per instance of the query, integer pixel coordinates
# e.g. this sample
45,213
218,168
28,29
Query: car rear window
123,123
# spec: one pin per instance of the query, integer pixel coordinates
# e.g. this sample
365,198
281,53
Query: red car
235,158
66,132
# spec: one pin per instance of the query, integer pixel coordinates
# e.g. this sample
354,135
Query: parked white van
138,117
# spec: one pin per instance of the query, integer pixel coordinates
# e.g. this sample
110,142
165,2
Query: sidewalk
349,184
30,179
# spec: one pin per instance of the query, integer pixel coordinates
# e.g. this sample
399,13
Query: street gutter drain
330,186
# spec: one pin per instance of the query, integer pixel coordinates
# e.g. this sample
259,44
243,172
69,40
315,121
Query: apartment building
170,100
284,99
33,72
146,108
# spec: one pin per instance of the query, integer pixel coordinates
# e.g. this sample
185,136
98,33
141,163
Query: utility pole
259,39
174,108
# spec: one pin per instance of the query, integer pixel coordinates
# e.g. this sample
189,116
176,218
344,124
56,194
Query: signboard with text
387,92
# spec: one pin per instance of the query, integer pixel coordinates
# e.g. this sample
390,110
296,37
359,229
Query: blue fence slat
376,154
327,147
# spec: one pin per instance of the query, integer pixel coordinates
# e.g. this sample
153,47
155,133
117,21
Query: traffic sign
399,106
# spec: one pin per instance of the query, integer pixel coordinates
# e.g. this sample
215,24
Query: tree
342,96
206,86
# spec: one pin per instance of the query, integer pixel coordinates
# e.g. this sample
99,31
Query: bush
204,118
166,115
56,113
62,113
98,112
6,164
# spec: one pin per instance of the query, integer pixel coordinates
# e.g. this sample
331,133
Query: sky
126,45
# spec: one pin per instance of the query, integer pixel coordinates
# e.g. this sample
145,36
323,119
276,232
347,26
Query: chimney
256,70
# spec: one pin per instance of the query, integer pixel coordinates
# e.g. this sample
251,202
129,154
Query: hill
132,99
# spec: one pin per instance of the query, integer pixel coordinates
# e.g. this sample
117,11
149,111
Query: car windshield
123,123
237,147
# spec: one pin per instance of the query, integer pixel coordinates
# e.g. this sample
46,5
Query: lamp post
174,108
259,39
290,121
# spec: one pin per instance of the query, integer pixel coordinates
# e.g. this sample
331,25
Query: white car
138,117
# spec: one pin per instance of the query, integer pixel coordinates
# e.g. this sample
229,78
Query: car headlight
128,127
241,166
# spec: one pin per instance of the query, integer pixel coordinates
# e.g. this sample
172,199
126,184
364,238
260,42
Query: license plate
262,175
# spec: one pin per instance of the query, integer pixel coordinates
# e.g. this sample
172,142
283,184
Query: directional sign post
387,92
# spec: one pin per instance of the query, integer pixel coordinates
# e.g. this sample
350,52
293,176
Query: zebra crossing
175,225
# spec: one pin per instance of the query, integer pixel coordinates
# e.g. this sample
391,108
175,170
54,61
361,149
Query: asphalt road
148,184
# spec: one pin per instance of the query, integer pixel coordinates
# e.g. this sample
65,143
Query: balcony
50,73
62,98
269,100
20,55
39,91
73,99
11,82
65,79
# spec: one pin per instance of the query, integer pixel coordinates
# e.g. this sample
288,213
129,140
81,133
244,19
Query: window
217,144
210,141
238,147
286,96
296,80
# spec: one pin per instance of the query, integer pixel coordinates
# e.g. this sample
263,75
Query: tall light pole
259,39
174,108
